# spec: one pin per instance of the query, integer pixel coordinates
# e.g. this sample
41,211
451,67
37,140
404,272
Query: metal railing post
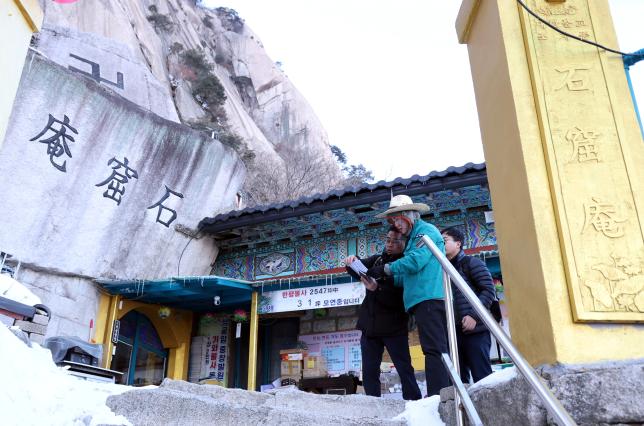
551,403
453,346
459,390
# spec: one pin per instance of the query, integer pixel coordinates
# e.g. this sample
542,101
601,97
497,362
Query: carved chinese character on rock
584,145
95,74
116,182
604,218
575,78
163,210
57,143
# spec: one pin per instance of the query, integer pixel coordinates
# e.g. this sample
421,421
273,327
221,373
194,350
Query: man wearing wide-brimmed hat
421,277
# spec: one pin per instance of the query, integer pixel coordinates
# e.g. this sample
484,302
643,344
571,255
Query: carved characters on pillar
575,78
603,218
593,192
584,145
554,10
615,285
563,16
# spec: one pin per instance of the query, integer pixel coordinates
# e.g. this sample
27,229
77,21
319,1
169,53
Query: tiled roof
450,177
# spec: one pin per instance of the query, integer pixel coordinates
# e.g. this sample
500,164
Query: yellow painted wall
19,19
529,238
417,358
174,331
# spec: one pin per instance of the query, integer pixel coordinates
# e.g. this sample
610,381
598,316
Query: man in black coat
383,322
472,335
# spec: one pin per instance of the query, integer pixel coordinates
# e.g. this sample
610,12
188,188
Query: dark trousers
474,355
432,332
398,348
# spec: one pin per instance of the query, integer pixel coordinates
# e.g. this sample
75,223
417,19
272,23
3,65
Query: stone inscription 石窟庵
122,172
593,194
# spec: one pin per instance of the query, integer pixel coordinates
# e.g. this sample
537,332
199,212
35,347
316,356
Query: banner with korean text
327,296
209,350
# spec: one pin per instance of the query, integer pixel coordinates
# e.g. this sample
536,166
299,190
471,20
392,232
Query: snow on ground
34,391
425,411
495,378
422,412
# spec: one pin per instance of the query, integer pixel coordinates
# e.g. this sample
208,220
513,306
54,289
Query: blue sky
390,79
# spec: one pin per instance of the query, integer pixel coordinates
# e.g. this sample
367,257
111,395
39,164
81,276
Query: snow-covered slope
35,391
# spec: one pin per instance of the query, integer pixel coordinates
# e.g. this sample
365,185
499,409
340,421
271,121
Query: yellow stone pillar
565,163
107,313
252,343
19,19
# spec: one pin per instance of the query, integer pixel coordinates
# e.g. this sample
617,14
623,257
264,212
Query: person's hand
468,323
376,272
369,283
350,259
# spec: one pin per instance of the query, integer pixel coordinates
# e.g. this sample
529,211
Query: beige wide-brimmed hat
402,203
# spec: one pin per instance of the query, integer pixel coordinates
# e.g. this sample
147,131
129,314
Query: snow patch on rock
422,412
495,379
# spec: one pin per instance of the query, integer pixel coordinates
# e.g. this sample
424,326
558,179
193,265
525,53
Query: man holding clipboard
383,320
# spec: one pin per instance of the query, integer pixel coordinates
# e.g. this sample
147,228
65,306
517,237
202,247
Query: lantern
164,312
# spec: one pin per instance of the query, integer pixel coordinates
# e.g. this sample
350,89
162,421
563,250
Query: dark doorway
139,354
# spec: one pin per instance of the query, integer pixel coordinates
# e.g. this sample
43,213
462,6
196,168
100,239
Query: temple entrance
140,355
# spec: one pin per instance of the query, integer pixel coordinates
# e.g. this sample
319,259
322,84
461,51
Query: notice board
341,350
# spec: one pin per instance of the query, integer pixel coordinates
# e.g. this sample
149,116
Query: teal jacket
418,271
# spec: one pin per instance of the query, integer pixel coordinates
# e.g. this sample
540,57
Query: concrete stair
181,403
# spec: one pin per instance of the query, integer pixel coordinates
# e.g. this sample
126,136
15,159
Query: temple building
290,255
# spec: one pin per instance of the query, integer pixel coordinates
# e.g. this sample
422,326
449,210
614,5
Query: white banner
327,296
215,355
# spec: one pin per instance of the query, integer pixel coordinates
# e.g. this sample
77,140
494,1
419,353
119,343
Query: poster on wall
341,350
326,296
209,352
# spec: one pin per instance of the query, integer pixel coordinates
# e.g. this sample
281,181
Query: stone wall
608,393
73,300
94,186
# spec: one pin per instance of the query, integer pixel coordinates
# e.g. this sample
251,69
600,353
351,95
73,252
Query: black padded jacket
382,312
478,277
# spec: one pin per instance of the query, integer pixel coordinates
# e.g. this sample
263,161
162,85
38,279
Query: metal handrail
551,403
453,349
475,420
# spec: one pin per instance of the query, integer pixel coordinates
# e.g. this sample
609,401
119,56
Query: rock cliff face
94,186
204,68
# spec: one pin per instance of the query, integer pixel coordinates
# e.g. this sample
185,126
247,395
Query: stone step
178,403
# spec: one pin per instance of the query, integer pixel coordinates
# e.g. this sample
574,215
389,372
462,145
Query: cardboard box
291,368
292,354
314,366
